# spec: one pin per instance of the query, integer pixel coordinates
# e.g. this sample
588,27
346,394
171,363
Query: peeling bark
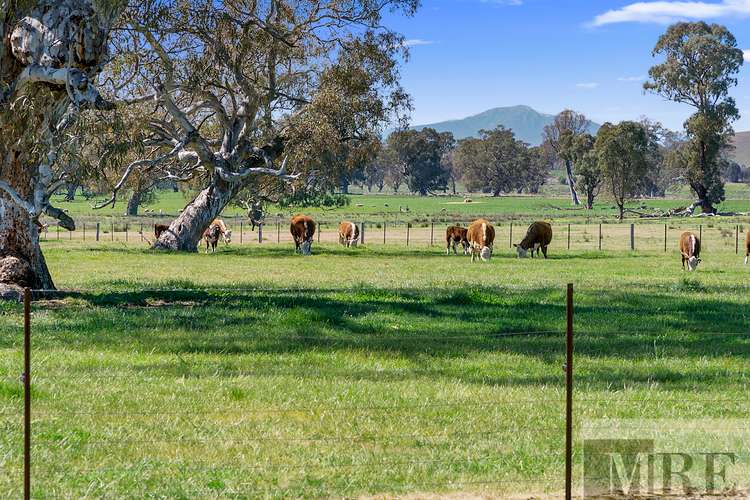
47,63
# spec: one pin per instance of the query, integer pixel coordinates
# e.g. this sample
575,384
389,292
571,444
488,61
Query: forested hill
526,123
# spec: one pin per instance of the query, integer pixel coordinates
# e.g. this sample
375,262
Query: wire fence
587,236
157,425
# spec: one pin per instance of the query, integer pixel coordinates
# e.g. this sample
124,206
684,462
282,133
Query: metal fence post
568,236
126,231
632,237
665,238
737,239
320,230
362,234
241,232
432,233
384,232
600,236
113,231
511,235
141,232
26,393
84,231
97,231
569,396
700,234
278,232
408,229
260,233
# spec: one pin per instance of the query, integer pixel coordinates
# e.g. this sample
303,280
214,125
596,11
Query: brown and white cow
303,230
217,230
481,236
690,249
538,237
747,247
454,236
348,234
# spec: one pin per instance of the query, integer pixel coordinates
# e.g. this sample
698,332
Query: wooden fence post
97,231
632,237
241,231
126,231
113,231
260,233
141,232
511,235
27,393
84,231
362,234
700,234
320,230
432,233
408,228
568,236
600,236
278,232
665,238
569,396
737,239
384,223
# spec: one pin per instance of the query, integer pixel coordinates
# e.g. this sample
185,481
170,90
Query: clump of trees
497,162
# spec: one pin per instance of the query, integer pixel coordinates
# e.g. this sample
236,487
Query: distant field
554,204
371,371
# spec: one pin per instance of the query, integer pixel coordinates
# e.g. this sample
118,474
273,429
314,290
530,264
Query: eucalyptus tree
622,153
242,91
559,136
51,54
700,66
422,154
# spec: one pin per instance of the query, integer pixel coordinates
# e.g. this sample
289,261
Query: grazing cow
454,236
160,228
538,237
690,249
348,234
303,230
217,230
747,247
481,236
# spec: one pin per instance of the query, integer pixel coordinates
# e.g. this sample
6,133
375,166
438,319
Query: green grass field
376,371
552,203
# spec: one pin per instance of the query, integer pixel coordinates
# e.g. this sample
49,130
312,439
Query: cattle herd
477,240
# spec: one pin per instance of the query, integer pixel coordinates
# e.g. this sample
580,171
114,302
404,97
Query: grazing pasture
375,371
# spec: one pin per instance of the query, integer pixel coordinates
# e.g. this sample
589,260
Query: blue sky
588,55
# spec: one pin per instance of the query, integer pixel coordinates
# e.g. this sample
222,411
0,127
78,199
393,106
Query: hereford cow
217,230
690,249
481,236
348,234
747,247
303,230
454,236
538,237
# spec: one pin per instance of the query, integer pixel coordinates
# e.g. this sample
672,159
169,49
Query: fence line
643,236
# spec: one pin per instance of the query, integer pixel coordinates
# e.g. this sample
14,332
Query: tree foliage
422,155
700,65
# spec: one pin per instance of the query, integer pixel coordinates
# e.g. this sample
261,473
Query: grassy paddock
378,370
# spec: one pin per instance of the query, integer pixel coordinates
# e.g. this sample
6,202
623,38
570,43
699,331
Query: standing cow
747,247
481,236
217,230
303,230
454,236
348,234
690,249
538,237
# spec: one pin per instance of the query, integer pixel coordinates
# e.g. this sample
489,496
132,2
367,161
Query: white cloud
665,12
587,85
631,79
416,41
747,55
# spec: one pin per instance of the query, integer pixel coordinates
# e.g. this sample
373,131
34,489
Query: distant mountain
742,144
527,123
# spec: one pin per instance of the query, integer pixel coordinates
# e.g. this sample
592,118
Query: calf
455,235
348,234
211,237
747,247
481,236
690,249
538,237
303,230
